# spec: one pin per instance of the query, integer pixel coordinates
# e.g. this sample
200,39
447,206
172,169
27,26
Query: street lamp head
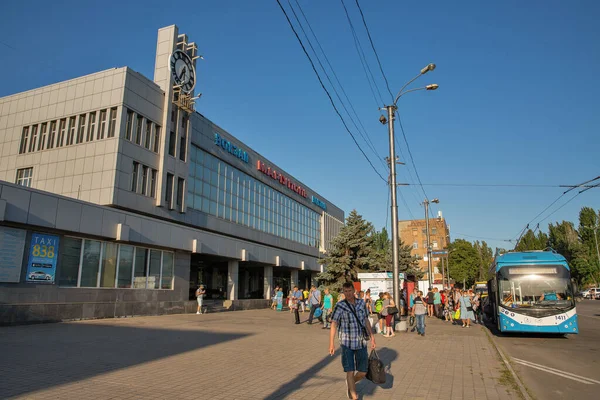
435,200
433,86
429,67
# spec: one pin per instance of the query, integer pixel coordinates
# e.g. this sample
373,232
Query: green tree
381,255
351,251
485,258
463,262
529,241
587,262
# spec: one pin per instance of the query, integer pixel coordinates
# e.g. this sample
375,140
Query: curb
522,389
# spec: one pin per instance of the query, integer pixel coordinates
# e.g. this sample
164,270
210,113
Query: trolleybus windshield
535,287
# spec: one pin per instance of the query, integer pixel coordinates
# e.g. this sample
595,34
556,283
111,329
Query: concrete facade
116,159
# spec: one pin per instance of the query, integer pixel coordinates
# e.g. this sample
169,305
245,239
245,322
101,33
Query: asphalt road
557,367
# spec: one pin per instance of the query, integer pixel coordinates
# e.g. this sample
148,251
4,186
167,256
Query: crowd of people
450,305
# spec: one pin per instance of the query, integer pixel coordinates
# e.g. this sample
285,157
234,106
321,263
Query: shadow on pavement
366,387
69,352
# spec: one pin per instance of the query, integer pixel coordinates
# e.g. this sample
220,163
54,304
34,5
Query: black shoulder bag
365,333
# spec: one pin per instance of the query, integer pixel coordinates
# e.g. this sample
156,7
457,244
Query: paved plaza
258,354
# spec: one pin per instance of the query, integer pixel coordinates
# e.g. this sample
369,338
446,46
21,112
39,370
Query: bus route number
561,317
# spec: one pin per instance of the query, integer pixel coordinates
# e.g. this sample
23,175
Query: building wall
413,233
86,170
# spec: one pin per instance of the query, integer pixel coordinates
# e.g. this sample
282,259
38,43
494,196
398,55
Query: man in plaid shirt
352,343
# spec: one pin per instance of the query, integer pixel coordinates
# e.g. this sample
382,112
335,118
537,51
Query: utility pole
429,274
429,269
391,110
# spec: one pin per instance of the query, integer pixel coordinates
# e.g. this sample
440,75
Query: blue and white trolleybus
531,291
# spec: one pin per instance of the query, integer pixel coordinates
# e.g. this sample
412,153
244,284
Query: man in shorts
200,298
352,319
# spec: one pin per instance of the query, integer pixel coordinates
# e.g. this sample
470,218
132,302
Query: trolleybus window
535,287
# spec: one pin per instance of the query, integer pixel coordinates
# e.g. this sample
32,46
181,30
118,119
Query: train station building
118,198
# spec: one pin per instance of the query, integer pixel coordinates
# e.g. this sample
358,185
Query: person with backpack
200,292
378,308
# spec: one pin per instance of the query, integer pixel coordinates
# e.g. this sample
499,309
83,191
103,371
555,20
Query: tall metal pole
596,240
443,275
390,110
429,272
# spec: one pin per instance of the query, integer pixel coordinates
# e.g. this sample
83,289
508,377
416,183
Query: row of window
68,131
434,244
173,135
424,231
92,263
143,179
217,188
142,131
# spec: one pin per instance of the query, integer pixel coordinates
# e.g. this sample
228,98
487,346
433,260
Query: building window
434,231
71,131
81,130
414,231
180,187
424,244
144,180
182,148
24,176
108,268
156,138
153,183
167,271
90,263
113,122
424,231
70,256
134,176
173,114
125,266
60,140
138,129
415,245
128,124
148,135
34,131
154,269
434,244
24,139
101,124
169,191
91,127
140,268
172,139
52,135
43,131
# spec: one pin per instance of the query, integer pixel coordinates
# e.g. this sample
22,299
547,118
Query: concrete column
232,280
294,278
268,282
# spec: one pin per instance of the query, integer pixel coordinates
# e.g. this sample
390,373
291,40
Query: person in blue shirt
327,306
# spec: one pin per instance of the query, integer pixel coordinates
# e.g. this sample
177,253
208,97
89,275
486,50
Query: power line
497,185
367,138
326,91
412,159
374,51
480,237
361,55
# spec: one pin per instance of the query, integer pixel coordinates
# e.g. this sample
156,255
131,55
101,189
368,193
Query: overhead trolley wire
326,91
374,51
366,138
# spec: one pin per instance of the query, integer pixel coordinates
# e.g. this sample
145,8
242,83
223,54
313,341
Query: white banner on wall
12,245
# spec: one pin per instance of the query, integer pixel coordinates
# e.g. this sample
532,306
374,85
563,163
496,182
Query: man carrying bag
351,318
314,301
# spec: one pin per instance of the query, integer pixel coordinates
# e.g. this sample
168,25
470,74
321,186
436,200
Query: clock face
182,70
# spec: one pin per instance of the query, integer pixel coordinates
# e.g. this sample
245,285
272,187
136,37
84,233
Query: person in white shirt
200,292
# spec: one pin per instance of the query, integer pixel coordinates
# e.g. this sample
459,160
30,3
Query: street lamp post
391,109
429,269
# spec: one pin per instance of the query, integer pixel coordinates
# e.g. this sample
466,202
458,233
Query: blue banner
43,254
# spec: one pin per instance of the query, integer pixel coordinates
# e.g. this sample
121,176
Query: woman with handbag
466,310
389,310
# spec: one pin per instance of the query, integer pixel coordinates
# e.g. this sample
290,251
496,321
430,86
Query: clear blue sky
517,102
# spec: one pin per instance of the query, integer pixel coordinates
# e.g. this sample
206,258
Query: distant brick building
414,233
